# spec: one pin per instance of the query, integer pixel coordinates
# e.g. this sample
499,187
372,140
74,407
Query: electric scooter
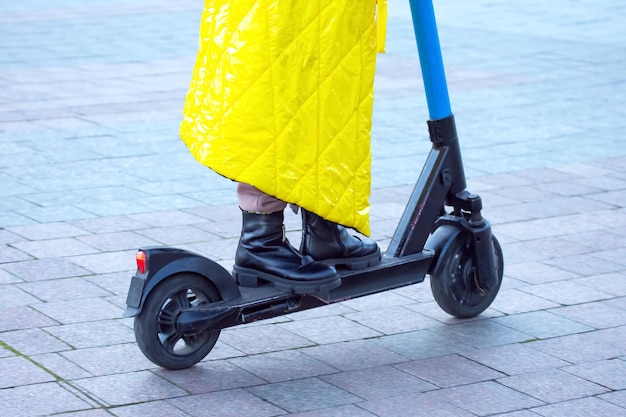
181,300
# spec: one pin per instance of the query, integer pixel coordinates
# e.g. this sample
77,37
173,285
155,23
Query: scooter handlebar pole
431,61
443,131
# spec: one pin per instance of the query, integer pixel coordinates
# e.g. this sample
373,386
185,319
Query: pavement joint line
89,141
31,360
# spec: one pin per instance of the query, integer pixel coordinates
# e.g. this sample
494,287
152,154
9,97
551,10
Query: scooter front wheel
156,329
454,284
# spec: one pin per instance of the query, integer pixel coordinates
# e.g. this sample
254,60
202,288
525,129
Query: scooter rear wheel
454,284
156,331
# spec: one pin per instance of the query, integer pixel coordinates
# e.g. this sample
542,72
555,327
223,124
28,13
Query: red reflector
141,262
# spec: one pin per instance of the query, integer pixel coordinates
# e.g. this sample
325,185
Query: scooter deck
266,301
390,273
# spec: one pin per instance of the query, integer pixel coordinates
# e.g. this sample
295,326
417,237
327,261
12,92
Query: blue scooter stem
442,178
431,61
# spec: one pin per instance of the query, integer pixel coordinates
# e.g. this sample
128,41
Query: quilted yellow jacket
281,98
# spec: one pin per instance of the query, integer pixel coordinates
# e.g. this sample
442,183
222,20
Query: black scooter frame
407,260
440,214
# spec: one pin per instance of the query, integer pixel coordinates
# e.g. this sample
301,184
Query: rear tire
156,331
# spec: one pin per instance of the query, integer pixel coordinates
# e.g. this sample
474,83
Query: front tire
156,331
454,283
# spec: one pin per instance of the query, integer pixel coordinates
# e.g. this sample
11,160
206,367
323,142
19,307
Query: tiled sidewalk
91,168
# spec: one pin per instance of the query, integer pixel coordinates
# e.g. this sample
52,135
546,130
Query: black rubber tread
147,322
450,280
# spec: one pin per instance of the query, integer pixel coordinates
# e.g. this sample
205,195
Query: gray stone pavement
91,168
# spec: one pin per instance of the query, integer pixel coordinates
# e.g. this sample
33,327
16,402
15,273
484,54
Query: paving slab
91,167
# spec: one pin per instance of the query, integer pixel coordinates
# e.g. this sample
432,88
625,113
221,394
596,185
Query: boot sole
247,277
358,262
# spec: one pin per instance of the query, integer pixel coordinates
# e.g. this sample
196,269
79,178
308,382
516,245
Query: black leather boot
265,254
332,244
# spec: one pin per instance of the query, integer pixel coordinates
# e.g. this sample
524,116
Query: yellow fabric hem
381,25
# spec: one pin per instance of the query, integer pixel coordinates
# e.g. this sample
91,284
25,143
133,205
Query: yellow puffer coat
281,98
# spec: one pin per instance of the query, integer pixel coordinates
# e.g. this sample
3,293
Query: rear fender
164,262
